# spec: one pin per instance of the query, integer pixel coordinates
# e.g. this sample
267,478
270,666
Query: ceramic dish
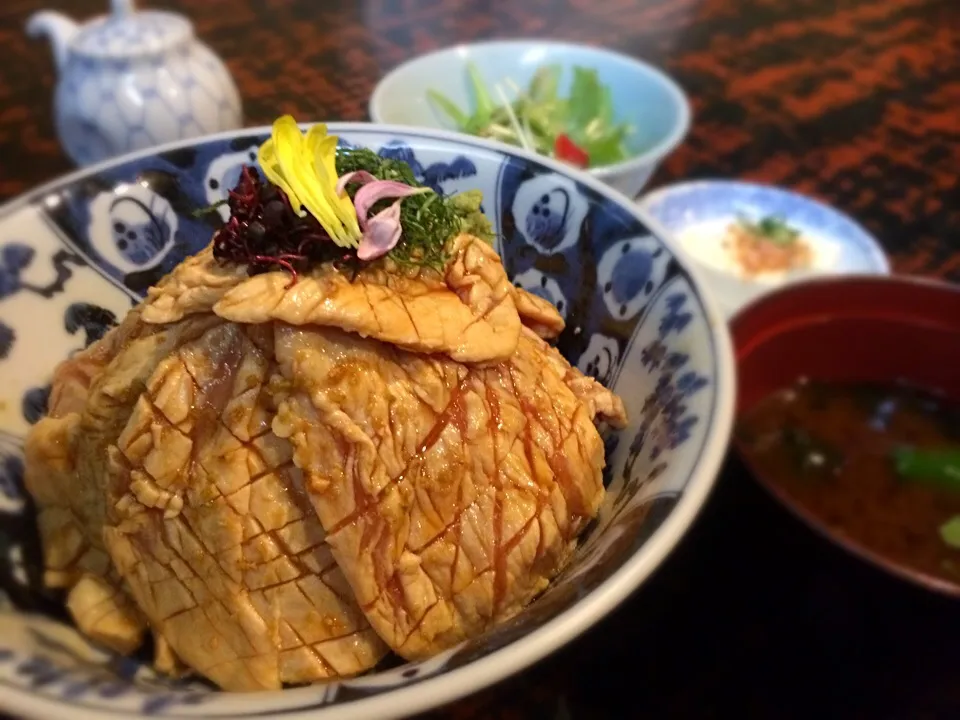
78,253
642,95
878,330
697,215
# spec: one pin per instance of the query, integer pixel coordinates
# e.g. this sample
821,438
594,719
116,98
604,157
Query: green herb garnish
472,220
428,220
209,209
772,228
538,117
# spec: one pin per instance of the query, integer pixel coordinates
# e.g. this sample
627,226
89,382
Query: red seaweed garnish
264,233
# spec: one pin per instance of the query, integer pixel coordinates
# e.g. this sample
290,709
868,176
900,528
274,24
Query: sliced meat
72,378
283,482
194,286
538,314
468,314
471,318
211,529
105,613
450,494
600,402
70,509
110,402
200,282
71,539
50,472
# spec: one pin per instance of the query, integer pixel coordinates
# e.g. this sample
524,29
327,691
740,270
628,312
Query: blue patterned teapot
131,80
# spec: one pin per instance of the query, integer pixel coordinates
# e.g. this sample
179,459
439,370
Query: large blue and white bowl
76,255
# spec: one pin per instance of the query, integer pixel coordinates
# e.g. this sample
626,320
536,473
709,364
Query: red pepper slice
567,150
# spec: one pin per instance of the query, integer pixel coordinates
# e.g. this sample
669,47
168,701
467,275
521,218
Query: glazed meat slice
472,312
451,494
211,529
538,314
282,481
70,513
168,503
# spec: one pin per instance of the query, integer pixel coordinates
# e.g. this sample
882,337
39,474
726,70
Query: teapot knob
122,8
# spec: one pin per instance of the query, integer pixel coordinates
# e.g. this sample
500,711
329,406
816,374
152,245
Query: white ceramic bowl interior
637,320
643,95
841,245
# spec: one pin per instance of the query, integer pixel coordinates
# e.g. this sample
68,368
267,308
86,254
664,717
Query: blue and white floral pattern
601,358
537,282
632,269
12,498
635,321
131,229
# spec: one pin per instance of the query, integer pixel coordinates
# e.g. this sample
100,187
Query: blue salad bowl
77,254
643,96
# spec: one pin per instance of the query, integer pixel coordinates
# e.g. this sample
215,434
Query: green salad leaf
538,116
483,102
585,103
545,84
459,117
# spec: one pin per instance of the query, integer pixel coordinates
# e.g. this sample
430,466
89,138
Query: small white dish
697,215
644,96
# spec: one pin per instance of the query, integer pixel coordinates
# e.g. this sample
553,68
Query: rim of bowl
567,625
899,570
847,279
655,153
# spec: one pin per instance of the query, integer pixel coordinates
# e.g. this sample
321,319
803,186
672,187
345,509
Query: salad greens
579,129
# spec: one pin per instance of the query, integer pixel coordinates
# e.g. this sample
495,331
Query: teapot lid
135,33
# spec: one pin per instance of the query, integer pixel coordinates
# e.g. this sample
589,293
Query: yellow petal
316,136
304,167
298,167
267,157
324,148
322,192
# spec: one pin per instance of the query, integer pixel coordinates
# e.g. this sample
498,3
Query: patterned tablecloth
854,101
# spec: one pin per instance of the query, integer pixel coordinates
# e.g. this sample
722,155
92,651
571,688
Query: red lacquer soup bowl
839,336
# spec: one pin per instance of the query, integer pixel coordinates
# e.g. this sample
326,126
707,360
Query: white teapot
132,80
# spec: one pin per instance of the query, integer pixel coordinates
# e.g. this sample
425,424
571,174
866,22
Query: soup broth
848,454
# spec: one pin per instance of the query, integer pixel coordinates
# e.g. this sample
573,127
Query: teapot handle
122,8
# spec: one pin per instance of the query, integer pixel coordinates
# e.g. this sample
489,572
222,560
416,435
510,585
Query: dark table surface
854,101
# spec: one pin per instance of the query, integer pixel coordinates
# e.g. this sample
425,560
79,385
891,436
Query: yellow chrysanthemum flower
304,167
